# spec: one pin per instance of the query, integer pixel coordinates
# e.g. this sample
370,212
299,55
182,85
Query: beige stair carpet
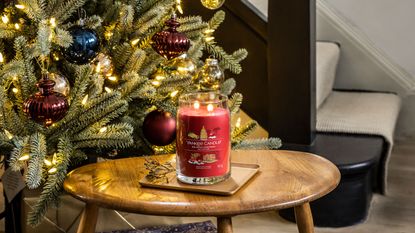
361,113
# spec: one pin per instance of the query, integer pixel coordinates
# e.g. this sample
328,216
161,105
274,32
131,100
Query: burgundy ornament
159,128
46,106
170,43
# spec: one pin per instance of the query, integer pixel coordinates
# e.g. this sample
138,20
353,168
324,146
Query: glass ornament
211,76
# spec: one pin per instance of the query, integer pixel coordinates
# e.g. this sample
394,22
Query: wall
377,39
388,24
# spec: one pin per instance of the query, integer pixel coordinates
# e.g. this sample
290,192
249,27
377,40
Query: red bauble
46,106
159,128
170,43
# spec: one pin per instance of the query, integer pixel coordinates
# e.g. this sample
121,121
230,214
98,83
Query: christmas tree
80,77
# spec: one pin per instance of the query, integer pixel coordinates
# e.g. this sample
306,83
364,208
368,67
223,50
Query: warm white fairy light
19,6
54,159
15,78
103,129
17,26
15,90
210,107
196,105
174,93
24,157
108,35
98,67
112,78
52,170
179,6
8,134
135,42
208,31
1,58
156,83
209,38
47,162
208,35
84,100
160,77
238,122
107,89
56,56
52,22
5,19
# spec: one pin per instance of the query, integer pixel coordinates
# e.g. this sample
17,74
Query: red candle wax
203,141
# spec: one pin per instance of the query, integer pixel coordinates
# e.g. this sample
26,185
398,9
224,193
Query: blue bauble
85,46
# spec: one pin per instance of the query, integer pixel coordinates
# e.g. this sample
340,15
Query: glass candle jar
203,138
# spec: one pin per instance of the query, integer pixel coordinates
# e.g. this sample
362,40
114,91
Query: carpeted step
327,54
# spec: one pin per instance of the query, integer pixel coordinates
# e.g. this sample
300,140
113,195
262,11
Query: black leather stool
358,158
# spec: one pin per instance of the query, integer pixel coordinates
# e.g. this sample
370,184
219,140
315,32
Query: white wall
378,47
389,24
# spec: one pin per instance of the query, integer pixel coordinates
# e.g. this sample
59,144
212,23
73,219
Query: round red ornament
46,106
159,128
170,43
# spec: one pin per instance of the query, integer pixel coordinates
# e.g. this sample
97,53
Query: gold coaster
240,175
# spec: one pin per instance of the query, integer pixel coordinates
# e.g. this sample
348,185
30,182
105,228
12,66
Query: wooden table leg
224,225
304,218
88,219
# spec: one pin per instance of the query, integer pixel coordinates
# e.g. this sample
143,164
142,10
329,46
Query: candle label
203,145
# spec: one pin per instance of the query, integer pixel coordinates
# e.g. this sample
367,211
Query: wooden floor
394,213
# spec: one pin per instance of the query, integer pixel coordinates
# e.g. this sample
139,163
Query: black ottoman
358,158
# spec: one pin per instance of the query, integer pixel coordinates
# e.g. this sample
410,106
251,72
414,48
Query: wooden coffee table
286,179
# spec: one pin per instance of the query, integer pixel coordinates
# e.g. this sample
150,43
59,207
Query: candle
203,138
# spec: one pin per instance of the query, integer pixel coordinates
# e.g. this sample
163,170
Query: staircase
354,127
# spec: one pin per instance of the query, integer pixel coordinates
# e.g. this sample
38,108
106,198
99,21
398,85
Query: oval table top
285,179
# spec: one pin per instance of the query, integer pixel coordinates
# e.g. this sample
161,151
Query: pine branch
122,53
43,40
150,65
67,8
5,143
114,136
235,103
134,81
258,144
240,133
62,38
50,8
12,69
239,55
152,17
28,80
82,78
33,9
107,106
144,91
135,62
53,185
37,155
93,22
126,17
9,118
227,61
7,31
228,86
195,52
21,148
217,20
78,157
